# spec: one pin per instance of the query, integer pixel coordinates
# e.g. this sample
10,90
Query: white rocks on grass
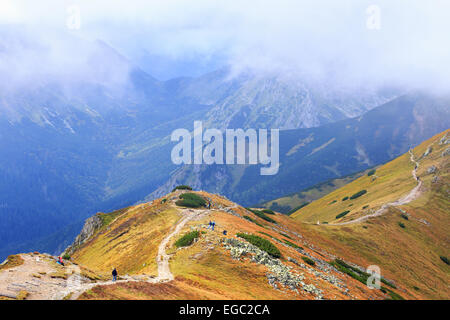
327,277
278,272
444,140
427,152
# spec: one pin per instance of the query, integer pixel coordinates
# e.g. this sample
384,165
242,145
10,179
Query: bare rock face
446,152
444,140
427,152
91,225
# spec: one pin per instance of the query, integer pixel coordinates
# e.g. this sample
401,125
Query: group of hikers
211,225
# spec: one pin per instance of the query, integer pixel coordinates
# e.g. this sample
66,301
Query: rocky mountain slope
95,136
258,100
394,218
314,155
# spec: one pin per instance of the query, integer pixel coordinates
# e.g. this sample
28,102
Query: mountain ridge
313,155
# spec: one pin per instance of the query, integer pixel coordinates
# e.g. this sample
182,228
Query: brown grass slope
129,241
205,269
405,241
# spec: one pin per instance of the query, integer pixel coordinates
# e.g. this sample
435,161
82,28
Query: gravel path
412,195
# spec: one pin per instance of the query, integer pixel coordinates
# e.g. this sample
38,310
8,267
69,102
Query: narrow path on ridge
412,195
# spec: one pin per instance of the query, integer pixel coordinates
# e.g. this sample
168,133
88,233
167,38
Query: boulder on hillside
427,152
444,140
432,169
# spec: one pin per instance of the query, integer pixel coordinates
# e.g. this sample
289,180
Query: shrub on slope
190,200
262,215
358,194
182,187
187,239
262,244
340,215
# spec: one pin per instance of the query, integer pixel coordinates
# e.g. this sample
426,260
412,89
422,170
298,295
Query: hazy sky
404,42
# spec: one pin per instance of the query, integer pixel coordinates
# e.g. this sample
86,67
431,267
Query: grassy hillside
212,267
406,241
253,254
128,240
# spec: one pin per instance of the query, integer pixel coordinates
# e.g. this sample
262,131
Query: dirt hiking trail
40,278
412,195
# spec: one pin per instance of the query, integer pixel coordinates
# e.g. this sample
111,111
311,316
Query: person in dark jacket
114,274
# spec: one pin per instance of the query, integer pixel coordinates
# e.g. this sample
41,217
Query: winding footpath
412,195
164,273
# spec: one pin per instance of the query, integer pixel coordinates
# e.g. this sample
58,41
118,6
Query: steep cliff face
91,225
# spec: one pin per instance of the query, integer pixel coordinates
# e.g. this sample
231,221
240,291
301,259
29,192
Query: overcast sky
402,42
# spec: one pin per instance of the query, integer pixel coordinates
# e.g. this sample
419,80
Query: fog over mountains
85,125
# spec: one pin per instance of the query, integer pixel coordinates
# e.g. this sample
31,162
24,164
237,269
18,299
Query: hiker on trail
209,204
209,225
60,261
114,274
224,232
213,224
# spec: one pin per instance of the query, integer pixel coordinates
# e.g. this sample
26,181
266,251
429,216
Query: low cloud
322,39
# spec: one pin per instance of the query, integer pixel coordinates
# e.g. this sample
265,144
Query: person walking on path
114,274
213,224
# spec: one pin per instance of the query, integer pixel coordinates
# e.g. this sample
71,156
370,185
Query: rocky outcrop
431,169
427,152
91,225
446,152
278,272
444,140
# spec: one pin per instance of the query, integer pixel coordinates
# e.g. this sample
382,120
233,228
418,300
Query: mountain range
313,155
77,144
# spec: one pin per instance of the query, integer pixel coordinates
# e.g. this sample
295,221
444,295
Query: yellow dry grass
410,256
315,192
392,181
12,261
130,243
